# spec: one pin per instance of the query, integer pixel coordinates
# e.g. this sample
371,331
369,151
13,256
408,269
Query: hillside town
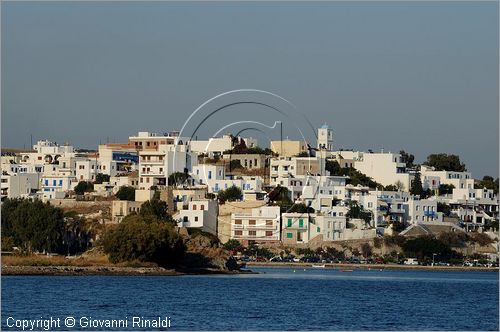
290,193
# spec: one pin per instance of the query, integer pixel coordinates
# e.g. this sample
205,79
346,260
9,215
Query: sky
419,77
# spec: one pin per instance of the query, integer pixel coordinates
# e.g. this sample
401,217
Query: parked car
276,259
411,261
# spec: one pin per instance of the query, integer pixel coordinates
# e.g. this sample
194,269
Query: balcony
430,214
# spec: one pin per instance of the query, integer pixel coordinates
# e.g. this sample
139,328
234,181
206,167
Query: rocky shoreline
10,270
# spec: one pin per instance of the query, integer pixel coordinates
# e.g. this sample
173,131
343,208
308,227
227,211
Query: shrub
230,194
155,209
126,193
394,240
233,245
33,225
481,239
425,246
453,239
147,241
100,178
366,250
83,187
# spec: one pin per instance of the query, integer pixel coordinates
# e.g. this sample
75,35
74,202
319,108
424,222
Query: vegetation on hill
178,178
489,183
100,178
355,176
34,226
144,239
445,162
232,193
357,212
83,187
126,193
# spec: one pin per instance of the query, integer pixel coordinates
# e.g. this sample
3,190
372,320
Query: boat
346,270
322,266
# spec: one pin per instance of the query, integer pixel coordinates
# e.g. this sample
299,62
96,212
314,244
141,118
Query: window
209,175
195,218
269,233
251,222
318,229
301,222
252,233
238,233
60,182
289,235
202,207
237,222
269,222
289,222
194,206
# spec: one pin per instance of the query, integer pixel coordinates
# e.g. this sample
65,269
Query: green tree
235,164
416,186
334,168
489,183
147,240
391,187
444,208
83,187
33,225
356,212
407,158
446,189
100,178
366,250
425,246
445,162
126,193
178,178
232,193
280,196
156,209
233,245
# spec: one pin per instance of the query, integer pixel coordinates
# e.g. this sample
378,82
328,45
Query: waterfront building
260,225
200,213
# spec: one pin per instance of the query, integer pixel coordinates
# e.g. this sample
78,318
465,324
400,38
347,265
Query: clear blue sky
422,77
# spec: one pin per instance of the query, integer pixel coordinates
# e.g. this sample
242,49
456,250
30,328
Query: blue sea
274,299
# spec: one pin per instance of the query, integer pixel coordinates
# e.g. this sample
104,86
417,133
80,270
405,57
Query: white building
199,214
261,225
156,165
302,228
423,210
384,168
19,185
460,180
473,207
214,177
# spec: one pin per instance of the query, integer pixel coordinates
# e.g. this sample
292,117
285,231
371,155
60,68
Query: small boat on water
322,266
346,270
